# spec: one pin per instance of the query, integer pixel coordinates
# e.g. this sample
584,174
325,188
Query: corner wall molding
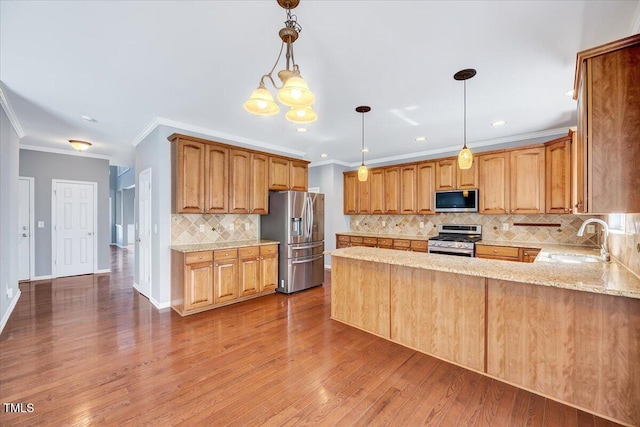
7,314
13,119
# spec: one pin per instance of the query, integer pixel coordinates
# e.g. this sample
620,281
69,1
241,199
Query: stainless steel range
455,239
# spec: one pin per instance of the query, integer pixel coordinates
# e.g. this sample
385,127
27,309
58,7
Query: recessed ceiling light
365,150
301,130
569,93
420,139
499,123
88,118
323,155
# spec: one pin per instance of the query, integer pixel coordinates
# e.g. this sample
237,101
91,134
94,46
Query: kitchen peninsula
567,331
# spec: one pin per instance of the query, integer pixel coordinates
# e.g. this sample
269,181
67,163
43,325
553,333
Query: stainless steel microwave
456,200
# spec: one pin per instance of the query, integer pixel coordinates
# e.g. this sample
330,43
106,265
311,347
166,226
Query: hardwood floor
89,350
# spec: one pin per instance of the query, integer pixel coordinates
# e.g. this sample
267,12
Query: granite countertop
222,245
610,278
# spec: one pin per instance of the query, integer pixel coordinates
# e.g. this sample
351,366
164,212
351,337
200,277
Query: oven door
452,251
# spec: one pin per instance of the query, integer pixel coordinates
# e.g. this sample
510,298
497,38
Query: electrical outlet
231,227
9,292
357,223
421,224
591,228
246,226
40,224
202,228
505,226
384,223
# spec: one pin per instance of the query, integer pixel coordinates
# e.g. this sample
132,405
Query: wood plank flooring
89,350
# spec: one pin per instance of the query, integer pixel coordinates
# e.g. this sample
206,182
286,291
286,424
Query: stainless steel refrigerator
296,220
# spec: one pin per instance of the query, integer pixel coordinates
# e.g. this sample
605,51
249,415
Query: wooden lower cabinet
209,279
506,253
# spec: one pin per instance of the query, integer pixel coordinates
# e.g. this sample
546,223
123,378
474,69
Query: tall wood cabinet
425,185
286,174
188,164
392,190
607,87
558,175
408,189
450,177
376,191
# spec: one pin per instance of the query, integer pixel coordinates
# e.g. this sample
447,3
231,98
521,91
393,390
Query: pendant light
465,157
363,172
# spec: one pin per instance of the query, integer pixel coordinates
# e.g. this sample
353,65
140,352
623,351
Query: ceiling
192,64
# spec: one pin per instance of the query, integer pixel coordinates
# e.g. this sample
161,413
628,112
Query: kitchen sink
573,259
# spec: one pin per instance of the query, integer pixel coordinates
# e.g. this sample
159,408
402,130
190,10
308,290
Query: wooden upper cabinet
425,185
527,174
376,191
364,199
408,192
298,175
189,176
216,179
493,179
467,178
607,87
392,190
259,189
446,174
278,173
350,193
239,179
558,175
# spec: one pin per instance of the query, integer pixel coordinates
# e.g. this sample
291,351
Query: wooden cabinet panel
189,171
370,241
401,244
376,191
350,193
385,243
493,177
526,181
558,176
439,313
216,179
249,281
259,190
225,280
467,178
528,254
298,175
426,174
392,190
278,173
408,191
578,164
239,179
446,174
269,271
419,245
364,200
506,253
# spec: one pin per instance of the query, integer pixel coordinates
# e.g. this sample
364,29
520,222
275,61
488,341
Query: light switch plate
40,224
505,226
202,228
591,228
246,226
231,227
384,223
421,224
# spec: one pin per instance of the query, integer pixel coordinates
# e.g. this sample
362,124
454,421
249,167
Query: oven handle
307,260
443,251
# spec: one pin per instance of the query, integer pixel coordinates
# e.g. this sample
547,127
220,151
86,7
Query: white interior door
74,231
144,233
25,225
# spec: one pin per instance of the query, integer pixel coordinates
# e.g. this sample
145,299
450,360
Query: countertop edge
201,247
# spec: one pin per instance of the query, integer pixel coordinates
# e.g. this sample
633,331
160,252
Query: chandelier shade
363,172
261,102
301,115
296,93
465,157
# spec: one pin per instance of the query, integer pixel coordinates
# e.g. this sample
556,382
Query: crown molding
66,152
330,162
13,119
225,137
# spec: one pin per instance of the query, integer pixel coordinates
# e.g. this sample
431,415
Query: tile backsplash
625,245
492,226
185,228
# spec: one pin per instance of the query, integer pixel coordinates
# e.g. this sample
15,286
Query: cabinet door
298,175
467,178
225,281
392,190
558,176
425,187
493,180
268,272
408,192
259,190
364,200
377,191
190,177
239,174
249,275
198,285
350,193
580,149
217,179
446,174
527,181
278,173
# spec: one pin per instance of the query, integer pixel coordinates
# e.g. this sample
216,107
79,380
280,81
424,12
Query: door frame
54,183
32,237
138,240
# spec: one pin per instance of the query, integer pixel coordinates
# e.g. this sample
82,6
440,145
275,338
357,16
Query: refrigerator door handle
317,257
307,246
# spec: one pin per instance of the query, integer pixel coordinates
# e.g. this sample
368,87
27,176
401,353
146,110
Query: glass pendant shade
465,158
363,173
296,93
261,102
79,145
301,115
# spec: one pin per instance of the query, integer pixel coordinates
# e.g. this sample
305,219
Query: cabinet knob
217,264
495,251
200,257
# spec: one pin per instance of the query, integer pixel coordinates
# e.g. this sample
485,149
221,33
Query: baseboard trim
106,270
327,266
5,318
49,277
159,305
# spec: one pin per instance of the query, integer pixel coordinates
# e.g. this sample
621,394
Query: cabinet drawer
194,257
356,239
268,250
498,251
342,238
250,252
371,241
225,254
385,243
419,245
341,245
404,244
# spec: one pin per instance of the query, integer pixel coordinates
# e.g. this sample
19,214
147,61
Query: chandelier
363,172
294,91
465,157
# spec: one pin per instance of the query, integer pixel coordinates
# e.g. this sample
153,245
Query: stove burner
455,240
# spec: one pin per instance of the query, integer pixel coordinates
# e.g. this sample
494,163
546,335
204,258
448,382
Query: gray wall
329,179
154,153
9,161
128,204
44,167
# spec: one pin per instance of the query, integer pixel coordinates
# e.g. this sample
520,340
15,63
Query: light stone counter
598,277
222,245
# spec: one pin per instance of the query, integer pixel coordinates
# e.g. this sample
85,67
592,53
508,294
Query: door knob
90,233
24,234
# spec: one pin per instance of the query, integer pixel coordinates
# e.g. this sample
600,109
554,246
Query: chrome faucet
604,250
